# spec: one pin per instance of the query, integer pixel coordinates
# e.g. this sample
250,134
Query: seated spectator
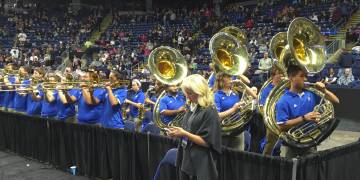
346,78
331,78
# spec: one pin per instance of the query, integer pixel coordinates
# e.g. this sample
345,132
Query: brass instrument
305,48
278,44
229,55
169,67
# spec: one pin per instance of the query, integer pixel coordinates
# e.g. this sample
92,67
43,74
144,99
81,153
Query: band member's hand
83,85
320,86
182,109
126,101
311,116
176,132
108,85
238,105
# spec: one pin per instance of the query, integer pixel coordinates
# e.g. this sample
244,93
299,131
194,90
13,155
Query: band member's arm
49,96
8,83
89,97
138,105
328,94
282,117
230,111
148,101
311,116
65,97
247,88
113,99
244,79
169,112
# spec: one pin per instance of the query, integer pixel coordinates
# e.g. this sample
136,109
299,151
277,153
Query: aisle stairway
96,34
354,20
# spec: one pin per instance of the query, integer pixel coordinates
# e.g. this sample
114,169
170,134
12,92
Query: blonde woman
200,145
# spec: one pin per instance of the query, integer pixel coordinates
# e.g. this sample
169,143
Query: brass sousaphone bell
169,67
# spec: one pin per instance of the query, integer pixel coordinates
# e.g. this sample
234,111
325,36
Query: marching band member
136,103
90,100
296,105
33,107
66,109
276,75
8,81
47,98
151,97
227,103
115,97
172,104
200,145
20,96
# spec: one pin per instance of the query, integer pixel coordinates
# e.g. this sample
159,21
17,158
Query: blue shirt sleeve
163,104
282,112
316,98
100,94
121,96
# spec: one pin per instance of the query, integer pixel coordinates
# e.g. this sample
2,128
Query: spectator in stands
265,65
346,78
330,78
314,17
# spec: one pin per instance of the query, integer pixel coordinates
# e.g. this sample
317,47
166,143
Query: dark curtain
121,155
333,164
252,166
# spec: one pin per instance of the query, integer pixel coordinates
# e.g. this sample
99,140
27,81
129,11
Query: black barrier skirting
117,154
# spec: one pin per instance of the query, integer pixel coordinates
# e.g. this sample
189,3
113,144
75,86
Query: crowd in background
46,37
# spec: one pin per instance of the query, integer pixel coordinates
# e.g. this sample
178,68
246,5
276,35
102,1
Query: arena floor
13,167
347,132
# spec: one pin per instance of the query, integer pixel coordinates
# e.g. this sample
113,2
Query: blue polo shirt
66,110
169,102
10,95
48,109
90,113
225,101
265,93
20,100
111,116
292,105
33,107
138,97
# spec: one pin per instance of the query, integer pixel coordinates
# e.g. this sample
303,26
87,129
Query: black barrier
348,107
117,154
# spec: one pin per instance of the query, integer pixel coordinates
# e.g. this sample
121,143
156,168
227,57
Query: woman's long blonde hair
197,84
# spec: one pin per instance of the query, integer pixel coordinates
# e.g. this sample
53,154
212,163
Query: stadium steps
96,34
354,20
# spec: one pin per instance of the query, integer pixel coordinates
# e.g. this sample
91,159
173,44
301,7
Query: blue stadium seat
169,158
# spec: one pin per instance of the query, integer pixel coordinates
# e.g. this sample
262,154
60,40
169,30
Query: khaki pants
235,142
290,152
271,139
72,119
138,123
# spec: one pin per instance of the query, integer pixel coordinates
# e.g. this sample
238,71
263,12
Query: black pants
184,176
257,131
